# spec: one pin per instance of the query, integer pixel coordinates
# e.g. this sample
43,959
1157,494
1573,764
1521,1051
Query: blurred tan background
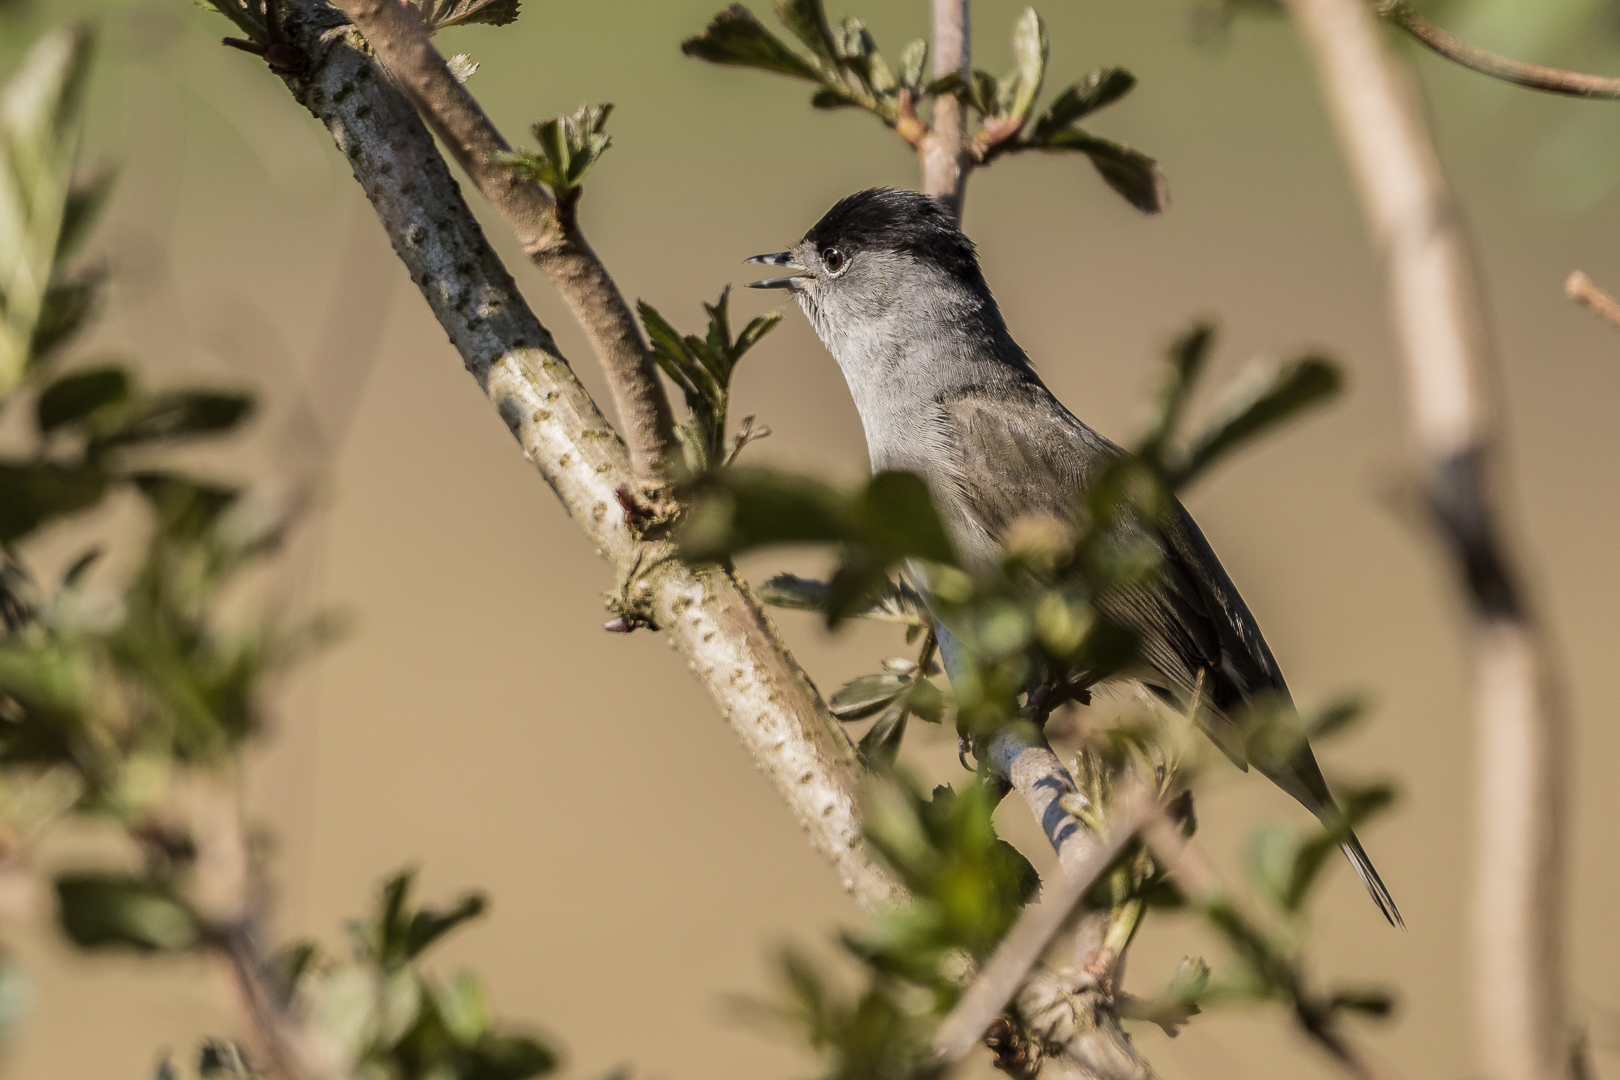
478,723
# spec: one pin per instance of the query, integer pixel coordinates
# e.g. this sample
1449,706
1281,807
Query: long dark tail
1369,877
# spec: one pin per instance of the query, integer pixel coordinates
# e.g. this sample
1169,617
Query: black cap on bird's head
882,220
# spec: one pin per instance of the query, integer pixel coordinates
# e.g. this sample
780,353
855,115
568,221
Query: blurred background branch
1534,76
1521,782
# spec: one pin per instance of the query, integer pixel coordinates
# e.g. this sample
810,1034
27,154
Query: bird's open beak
780,258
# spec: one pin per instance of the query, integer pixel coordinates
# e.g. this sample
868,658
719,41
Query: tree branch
1037,925
548,232
1440,325
1583,289
1072,1012
1535,76
943,150
711,617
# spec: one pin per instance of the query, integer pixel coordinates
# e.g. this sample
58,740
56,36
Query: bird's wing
992,466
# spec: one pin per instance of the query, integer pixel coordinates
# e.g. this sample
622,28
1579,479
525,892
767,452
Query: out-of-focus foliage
133,704
967,886
392,1019
850,72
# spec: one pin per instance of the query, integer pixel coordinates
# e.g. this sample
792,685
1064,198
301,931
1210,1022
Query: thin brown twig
549,233
1039,923
1581,288
1533,76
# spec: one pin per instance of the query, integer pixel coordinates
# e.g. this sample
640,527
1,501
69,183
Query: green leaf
751,507
880,746
85,201
39,140
1030,49
925,701
1334,718
77,396
864,696
570,145
1102,87
1367,1002
185,506
1272,850
438,14
1130,172
102,910
807,20
1261,404
1187,357
913,62
429,924
31,495
176,415
66,309
735,37
464,1008
510,1057
462,66
898,512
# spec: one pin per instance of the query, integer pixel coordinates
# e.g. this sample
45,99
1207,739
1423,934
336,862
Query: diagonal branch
1439,319
1039,923
711,617
1535,76
548,231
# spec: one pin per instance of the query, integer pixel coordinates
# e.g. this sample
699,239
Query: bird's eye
833,258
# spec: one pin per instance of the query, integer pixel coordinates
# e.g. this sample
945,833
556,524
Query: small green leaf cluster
569,146
392,1019
702,367
843,63
967,887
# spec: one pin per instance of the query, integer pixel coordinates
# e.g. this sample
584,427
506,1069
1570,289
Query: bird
894,290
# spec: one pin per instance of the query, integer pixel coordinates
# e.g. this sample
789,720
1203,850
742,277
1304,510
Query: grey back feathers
895,293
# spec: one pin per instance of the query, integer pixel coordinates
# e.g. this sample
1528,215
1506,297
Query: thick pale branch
1535,76
943,150
549,233
1439,318
716,624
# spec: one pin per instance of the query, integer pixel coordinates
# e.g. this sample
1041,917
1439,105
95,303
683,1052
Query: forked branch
713,620
548,231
